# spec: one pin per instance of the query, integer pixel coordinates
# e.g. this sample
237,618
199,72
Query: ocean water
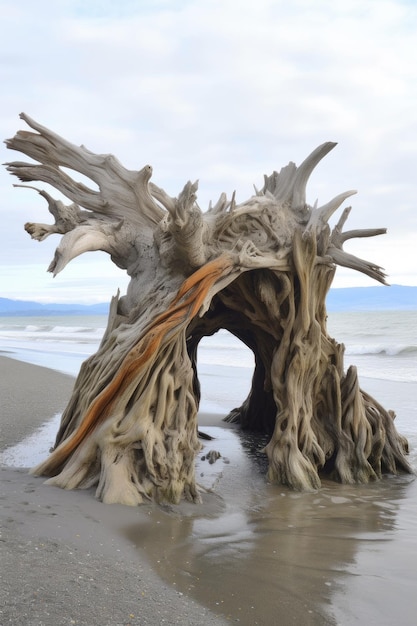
382,344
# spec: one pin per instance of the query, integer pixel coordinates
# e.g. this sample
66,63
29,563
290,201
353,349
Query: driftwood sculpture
261,270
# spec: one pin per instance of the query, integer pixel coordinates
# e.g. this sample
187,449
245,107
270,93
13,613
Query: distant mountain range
381,298
394,297
27,308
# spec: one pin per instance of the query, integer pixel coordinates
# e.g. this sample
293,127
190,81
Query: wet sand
252,553
29,396
65,557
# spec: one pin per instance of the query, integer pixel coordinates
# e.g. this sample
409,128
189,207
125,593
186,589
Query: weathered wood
261,270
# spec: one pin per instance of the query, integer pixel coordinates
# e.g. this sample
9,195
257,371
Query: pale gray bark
260,269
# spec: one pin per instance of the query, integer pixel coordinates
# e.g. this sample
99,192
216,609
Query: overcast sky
223,92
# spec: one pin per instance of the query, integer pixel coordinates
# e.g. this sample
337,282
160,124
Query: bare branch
95,235
122,193
298,198
340,257
360,233
320,216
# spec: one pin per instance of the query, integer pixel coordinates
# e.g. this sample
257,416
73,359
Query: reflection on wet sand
262,554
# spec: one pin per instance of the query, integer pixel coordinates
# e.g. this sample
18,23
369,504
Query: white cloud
93,282
222,93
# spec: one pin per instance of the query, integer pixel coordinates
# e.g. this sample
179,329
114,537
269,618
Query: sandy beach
65,558
252,553
29,396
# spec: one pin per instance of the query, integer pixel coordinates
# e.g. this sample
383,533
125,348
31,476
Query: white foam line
33,449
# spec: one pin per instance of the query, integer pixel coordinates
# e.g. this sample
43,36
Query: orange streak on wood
183,308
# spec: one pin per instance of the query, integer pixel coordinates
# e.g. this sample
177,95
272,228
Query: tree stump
261,270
